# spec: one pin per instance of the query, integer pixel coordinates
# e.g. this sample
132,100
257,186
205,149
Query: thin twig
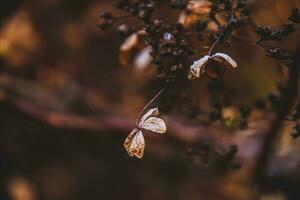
149,103
231,17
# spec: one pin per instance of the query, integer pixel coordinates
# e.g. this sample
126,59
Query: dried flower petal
197,68
133,42
151,112
155,124
130,42
195,11
143,59
201,7
213,66
135,143
227,59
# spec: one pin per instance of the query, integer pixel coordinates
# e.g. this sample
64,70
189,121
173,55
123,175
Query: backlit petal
227,59
197,69
155,124
135,144
151,112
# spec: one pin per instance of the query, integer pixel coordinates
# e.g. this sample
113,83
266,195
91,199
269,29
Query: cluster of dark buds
295,118
205,154
295,16
281,55
106,20
268,33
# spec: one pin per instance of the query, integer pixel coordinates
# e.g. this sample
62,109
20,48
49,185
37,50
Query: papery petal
132,43
197,69
155,124
151,112
135,143
143,59
227,59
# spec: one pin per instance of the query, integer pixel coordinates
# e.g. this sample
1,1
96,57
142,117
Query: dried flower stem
231,17
149,103
216,42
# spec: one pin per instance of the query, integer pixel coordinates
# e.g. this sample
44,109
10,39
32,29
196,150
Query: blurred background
66,106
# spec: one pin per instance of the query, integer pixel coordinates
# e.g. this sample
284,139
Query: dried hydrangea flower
213,66
135,142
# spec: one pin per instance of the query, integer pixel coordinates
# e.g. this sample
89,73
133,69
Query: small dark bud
245,111
104,24
295,16
201,25
260,104
296,132
214,115
106,15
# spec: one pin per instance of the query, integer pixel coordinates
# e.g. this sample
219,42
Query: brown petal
135,144
188,19
200,7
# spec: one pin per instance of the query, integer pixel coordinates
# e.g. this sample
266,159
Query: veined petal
149,113
135,143
227,59
155,124
197,69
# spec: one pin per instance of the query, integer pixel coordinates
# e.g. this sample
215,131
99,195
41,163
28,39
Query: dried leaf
135,143
155,124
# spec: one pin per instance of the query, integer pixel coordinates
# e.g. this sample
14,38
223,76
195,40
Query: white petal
149,113
226,58
196,68
143,59
135,143
155,124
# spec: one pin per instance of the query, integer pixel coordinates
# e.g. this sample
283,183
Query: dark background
66,106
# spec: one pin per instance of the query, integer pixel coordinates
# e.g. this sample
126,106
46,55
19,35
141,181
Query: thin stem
149,103
231,17
216,42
